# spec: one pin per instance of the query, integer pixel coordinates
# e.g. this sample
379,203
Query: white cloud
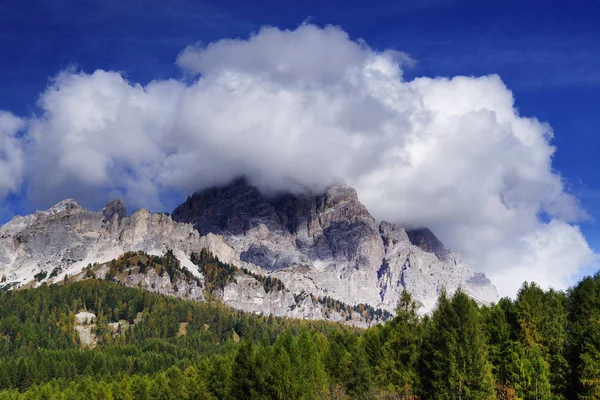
309,55
11,154
309,107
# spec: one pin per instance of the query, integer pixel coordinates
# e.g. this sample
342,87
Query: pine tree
584,338
244,372
457,359
312,371
589,371
506,353
542,322
400,354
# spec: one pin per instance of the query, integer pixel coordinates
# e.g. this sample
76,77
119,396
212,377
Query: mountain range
326,249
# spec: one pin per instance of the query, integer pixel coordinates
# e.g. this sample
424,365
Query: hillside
218,281
543,345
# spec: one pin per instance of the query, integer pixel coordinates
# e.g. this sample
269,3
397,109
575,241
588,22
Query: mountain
67,237
69,241
310,256
329,245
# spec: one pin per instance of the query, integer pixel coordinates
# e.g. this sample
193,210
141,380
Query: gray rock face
114,207
286,230
153,282
326,244
247,294
425,269
329,245
68,237
424,239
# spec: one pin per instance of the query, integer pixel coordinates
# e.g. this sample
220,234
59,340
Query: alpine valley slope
320,246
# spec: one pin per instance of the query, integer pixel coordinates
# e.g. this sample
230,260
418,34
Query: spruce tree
542,322
311,368
400,354
584,338
506,353
457,355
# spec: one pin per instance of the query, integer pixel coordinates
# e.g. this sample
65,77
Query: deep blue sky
548,55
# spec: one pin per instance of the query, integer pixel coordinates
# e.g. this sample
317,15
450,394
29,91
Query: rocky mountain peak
427,241
234,208
65,205
393,235
286,230
238,207
328,244
114,207
338,194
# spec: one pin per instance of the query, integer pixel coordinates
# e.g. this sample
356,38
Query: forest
542,345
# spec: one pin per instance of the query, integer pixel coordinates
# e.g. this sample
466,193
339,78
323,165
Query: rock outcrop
114,207
68,237
424,239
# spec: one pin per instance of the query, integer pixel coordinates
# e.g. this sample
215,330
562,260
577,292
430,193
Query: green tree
311,368
584,338
506,353
245,374
456,362
542,322
397,368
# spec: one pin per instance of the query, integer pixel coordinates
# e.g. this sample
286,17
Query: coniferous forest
543,345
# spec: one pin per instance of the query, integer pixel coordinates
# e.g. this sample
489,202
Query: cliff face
68,237
286,230
320,246
329,245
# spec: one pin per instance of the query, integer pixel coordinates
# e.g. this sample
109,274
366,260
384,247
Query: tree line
545,344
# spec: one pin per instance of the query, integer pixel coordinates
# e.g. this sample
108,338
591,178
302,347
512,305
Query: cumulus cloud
11,154
305,108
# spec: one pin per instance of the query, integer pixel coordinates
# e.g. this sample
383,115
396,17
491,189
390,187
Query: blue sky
548,56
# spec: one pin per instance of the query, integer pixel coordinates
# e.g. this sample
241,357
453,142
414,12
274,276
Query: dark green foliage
216,273
349,366
543,345
270,284
40,276
88,272
168,264
396,358
142,267
368,313
584,346
506,352
40,351
542,320
456,361
55,272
